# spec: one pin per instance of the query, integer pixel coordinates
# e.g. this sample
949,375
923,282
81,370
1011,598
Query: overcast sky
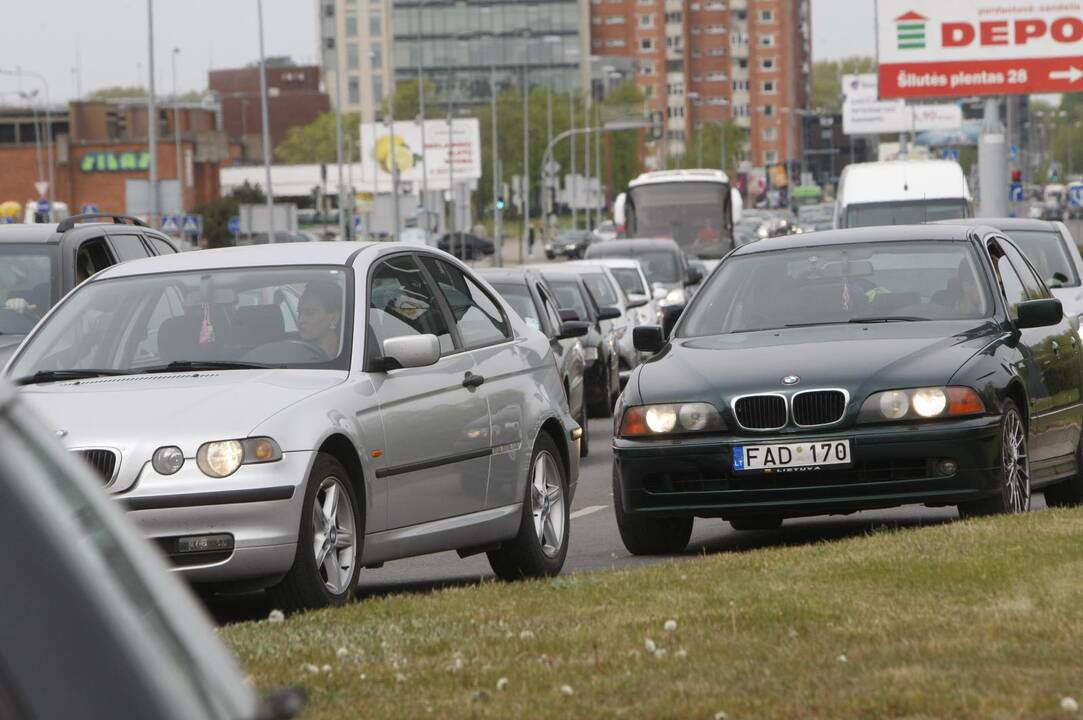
107,39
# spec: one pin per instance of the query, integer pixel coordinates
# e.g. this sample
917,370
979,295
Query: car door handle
472,381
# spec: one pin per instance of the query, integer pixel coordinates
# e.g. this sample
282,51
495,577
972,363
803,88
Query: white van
58,212
901,192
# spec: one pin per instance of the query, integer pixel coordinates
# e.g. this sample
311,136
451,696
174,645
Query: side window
1014,291
161,246
401,302
478,317
92,256
129,247
1035,288
550,308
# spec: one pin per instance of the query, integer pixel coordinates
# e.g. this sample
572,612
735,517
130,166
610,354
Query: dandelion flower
1069,704
721,716
566,690
502,684
670,625
310,669
842,658
276,616
681,654
526,635
649,645
341,653
660,653
326,668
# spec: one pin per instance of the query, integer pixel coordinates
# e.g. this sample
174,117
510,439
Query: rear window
600,290
913,212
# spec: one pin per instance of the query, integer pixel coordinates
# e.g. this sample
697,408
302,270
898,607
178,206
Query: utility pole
586,151
597,200
421,122
498,238
572,183
526,151
451,158
152,123
176,128
394,166
267,131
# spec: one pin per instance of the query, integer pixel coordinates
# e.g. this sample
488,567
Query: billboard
933,48
444,156
863,113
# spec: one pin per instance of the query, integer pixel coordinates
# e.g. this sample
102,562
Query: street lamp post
497,236
48,123
176,128
152,122
267,129
526,148
29,98
421,122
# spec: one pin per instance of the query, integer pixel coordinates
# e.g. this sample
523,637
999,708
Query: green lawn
980,619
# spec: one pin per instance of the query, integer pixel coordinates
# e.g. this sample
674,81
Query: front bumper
259,506
892,466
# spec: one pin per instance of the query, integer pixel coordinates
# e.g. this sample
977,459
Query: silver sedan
281,416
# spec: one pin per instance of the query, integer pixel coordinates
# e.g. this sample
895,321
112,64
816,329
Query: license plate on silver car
791,456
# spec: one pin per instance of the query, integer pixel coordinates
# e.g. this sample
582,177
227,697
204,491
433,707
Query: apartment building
356,54
705,61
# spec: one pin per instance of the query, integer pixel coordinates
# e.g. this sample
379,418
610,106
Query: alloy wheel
334,536
1016,464
547,504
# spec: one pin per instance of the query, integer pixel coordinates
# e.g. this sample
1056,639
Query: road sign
42,186
44,206
90,209
190,224
1013,152
932,48
356,222
234,225
951,154
552,168
1075,195
170,224
1015,192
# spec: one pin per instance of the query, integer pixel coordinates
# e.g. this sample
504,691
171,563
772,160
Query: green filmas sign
115,161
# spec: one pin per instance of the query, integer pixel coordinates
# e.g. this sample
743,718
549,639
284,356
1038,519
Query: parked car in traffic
40,263
664,265
606,230
465,246
571,244
96,607
848,370
601,356
898,192
605,290
531,297
398,408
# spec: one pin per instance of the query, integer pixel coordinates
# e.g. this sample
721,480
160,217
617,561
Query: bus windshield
695,214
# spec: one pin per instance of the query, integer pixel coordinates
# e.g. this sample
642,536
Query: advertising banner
932,48
863,113
445,156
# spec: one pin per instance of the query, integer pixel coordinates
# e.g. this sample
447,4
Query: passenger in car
319,315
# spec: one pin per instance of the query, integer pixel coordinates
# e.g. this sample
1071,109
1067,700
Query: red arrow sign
982,77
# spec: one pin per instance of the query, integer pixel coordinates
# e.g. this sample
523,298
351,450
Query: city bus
696,208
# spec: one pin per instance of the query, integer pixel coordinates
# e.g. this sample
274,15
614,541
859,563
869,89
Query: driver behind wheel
319,316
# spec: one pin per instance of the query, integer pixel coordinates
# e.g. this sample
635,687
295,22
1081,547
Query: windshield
840,284
26,284
695,214
519,298
913,212
570,298
630,281
1049,256
601,291
660,267
282,317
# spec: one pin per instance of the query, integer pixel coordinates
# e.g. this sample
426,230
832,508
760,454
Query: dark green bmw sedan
848,370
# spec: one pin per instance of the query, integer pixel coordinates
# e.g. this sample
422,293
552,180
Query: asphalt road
595,543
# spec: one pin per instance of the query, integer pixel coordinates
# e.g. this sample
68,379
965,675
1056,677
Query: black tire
756,522
1014,495
649,535
524,556
584,442
304,586
1068,492
603,407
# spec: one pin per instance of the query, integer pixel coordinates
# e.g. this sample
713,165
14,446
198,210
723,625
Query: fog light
167,460
204,543
947,467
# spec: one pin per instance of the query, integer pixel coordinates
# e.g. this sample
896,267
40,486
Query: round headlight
661,418
894,404
219,459
693,416
930,402
167,460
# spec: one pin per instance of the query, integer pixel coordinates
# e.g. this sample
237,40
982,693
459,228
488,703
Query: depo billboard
444,156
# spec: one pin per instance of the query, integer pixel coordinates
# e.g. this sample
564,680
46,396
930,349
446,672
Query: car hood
183,409
858,358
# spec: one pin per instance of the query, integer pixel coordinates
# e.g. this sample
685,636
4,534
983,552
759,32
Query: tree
216,214
117,92
621,160
706,149
315,142
827,80
408,102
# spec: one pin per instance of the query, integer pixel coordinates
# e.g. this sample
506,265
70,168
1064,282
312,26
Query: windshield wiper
44,376
188,365
889,318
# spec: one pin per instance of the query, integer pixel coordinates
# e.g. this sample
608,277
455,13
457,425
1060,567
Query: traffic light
1017,176
500,203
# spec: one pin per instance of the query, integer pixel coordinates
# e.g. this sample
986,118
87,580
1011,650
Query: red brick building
99,146
705,61
294,97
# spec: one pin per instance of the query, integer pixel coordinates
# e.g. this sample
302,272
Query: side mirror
609,313
1039,313
410,351
636,300
648,338
693,276
572,329
569,315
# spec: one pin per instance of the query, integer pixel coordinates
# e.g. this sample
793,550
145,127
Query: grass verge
975,619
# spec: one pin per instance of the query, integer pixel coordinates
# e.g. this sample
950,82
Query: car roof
515,275
903,180
558,274
885,233
1006,224
29,233
324,253
617,247
615,262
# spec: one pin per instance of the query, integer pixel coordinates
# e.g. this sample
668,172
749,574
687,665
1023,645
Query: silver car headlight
167,460
222,458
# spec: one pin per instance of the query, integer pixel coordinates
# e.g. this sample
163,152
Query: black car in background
848,370
40,263
571,244
465,246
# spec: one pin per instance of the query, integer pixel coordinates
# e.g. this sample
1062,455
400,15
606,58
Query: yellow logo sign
398,154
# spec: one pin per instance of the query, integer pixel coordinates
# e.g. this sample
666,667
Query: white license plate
791,456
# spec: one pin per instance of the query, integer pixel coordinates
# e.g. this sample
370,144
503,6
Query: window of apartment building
675,111
353,57
769,110
740,110
646,44
716,52
376,25
715,6
646,68
674,42
770,133
768,64
351,25
354,89
770,157
768,87
716,77
767,40
675,135
376,54
377,90
696,77
694,7
740,86
742,63
740,15
697,100
646,2
676,89
646,21
716,30
617,43
767,16
697,54
694,30
595,2
673,17
614,20
716,100
675,66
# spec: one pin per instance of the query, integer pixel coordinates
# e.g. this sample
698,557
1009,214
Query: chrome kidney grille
805,409
102,461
